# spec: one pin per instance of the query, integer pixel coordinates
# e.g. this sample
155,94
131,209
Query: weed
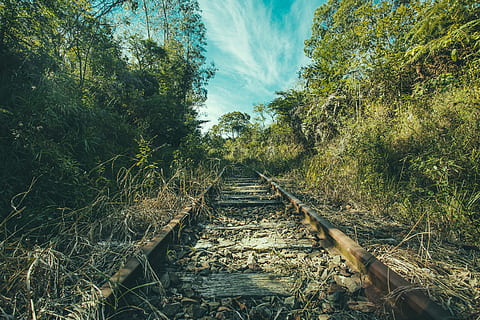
60,275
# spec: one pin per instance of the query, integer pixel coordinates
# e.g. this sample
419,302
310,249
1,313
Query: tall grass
423,155
62,274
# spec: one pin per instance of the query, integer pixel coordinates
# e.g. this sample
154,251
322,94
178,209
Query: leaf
223,308
5,111
453,54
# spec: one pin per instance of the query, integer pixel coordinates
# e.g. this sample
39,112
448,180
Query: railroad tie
253,257
246,192
247,244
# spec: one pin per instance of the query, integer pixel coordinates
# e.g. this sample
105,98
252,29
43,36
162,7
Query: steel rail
407,303
154,252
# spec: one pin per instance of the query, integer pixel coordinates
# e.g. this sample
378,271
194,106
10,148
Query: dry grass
61,278
449,279
449,273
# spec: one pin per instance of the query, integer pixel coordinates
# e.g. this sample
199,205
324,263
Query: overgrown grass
272,152
61,274
420,157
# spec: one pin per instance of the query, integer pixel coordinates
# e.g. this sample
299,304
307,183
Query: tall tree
71,99
233,123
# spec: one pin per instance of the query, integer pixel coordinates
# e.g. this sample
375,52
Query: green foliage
386,48
273,148
422,159
144,155
75,109
449,29
233,123
388,116
214,143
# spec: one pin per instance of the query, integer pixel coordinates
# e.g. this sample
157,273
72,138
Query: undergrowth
60,274
420,159
415,160
274,151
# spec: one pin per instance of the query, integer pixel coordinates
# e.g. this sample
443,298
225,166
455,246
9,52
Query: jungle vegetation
89,87
99,129
100,142
388,113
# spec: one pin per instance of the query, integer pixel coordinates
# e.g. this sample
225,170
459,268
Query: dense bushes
420,160
98,143
423,159
273,150
79,102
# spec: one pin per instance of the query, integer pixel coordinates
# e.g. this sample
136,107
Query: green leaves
75,95
392,46
233,123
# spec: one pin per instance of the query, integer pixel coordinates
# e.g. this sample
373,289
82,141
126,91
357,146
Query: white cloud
239,29
257,49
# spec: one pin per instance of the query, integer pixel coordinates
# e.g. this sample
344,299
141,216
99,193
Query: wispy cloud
240,30
257,46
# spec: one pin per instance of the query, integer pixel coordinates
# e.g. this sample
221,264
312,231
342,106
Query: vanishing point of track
258,254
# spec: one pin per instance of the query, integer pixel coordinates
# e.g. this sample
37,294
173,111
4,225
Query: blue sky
257,47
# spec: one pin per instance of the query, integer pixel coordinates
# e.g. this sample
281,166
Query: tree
83,114
71,99
233,123
444,37
360,43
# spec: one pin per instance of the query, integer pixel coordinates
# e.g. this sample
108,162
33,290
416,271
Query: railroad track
257,254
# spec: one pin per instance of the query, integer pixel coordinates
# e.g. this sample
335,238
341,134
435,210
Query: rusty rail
154,251
405,302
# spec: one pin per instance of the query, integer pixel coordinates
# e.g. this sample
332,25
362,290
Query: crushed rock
449,271
229,244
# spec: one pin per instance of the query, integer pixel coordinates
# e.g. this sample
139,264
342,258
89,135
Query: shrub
422,157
